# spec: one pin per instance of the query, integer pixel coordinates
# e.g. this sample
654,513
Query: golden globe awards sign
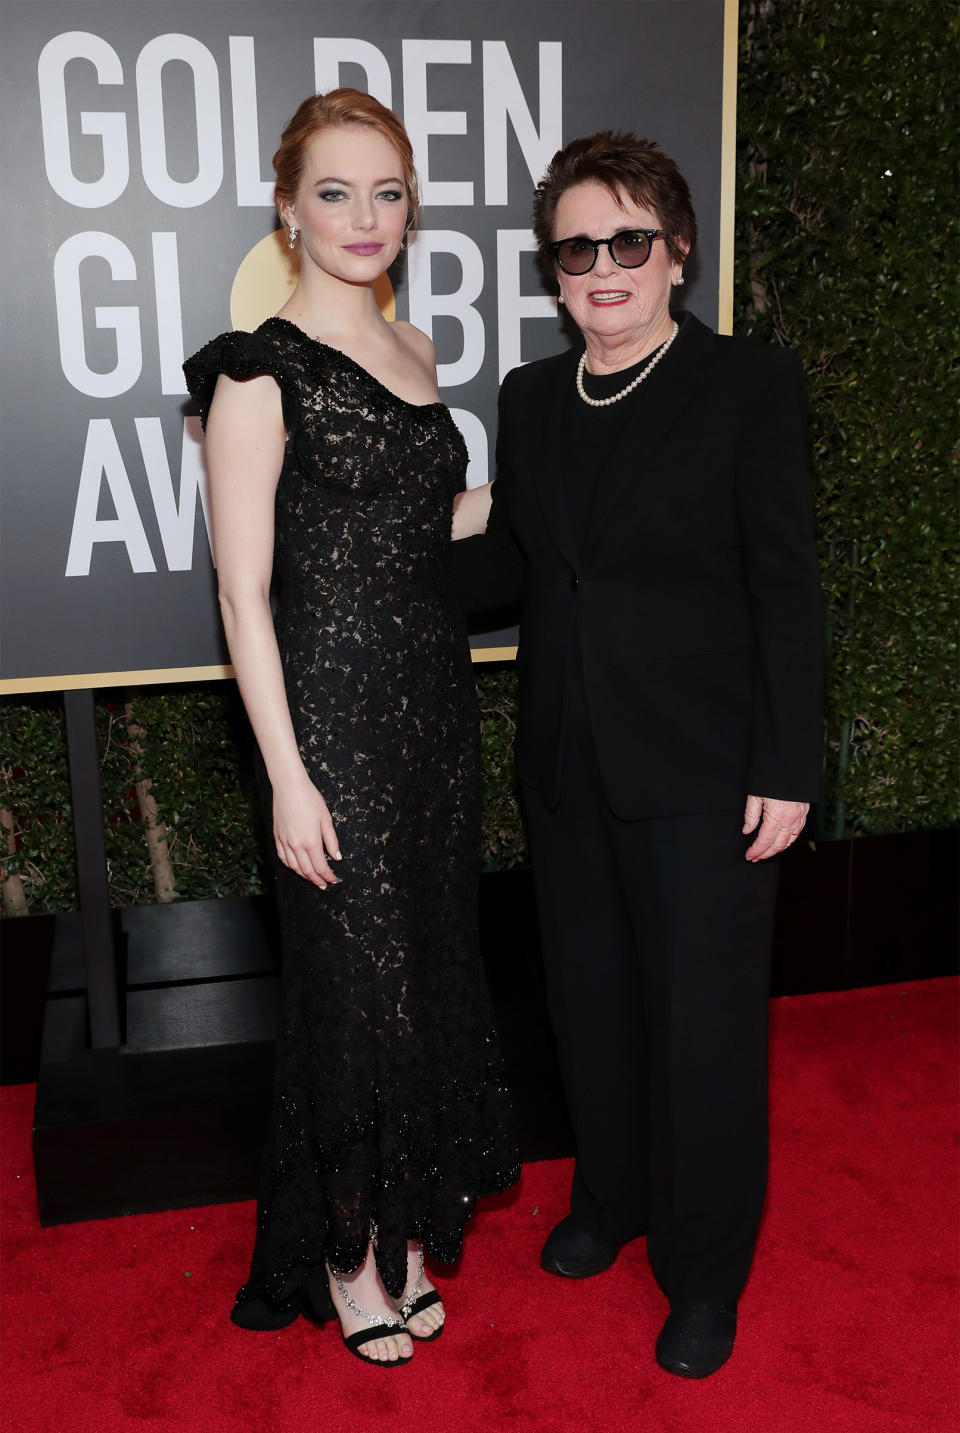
138,223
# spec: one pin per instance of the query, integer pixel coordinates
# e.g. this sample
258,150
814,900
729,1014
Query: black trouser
656,938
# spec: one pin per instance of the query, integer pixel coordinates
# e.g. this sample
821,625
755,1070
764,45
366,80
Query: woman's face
610,305
351,206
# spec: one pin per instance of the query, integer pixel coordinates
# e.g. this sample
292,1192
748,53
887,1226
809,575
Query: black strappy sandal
417,1302
354,1341
379,1328
425,1301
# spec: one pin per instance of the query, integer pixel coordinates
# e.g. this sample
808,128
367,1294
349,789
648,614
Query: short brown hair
339,109
623,164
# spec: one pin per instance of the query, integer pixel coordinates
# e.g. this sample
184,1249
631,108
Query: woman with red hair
333,469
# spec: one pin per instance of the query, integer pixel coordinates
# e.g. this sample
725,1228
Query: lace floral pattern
390,1111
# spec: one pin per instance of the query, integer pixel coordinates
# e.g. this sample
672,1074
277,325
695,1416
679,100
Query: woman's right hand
303,831
471,508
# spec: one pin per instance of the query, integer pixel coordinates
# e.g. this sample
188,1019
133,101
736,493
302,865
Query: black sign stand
154,1082
96,923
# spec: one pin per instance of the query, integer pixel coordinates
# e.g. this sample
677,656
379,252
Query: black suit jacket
694,590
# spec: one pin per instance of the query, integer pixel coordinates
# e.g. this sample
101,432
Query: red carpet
848,1322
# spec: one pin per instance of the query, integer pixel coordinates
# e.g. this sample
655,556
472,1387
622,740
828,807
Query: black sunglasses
629,250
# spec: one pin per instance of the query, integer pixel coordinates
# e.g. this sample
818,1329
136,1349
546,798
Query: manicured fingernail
337,856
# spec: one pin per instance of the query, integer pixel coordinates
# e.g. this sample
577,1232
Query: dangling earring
678,282
292,238
403,245
560,299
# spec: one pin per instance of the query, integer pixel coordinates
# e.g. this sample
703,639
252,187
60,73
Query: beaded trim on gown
390,1112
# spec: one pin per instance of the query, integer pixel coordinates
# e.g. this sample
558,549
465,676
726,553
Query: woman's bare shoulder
419,343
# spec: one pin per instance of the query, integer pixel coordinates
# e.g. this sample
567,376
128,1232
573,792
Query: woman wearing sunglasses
652,513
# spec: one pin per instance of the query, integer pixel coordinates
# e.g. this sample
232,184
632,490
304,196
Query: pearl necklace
644,373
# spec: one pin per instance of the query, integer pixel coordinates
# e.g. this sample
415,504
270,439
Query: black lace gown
390,1114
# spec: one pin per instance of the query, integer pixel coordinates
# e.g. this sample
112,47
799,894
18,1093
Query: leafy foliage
503,842
847,252
36,790
195,750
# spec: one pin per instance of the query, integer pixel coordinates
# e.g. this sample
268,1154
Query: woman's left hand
781,825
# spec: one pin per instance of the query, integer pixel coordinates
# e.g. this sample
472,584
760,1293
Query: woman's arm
780,564
471,508
245,445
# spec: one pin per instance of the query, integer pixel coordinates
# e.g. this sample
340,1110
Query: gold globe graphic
267,277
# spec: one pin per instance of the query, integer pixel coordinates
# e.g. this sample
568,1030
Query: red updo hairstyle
340,109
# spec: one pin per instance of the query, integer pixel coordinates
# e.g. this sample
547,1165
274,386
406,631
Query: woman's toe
428,1322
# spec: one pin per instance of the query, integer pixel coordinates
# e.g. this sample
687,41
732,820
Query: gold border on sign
728,165
493,654
13,686
150,677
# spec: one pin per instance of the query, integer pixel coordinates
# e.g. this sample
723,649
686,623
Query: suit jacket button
574,583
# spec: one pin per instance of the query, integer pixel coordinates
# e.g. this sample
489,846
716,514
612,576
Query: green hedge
847,251
196,750
36,791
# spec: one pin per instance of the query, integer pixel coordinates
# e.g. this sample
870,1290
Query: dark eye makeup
331,195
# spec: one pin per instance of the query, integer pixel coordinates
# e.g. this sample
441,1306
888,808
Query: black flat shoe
697,1340
425,1301
353,1343
575,1253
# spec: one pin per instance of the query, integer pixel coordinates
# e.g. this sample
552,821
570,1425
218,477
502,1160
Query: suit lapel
683,372
546,430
